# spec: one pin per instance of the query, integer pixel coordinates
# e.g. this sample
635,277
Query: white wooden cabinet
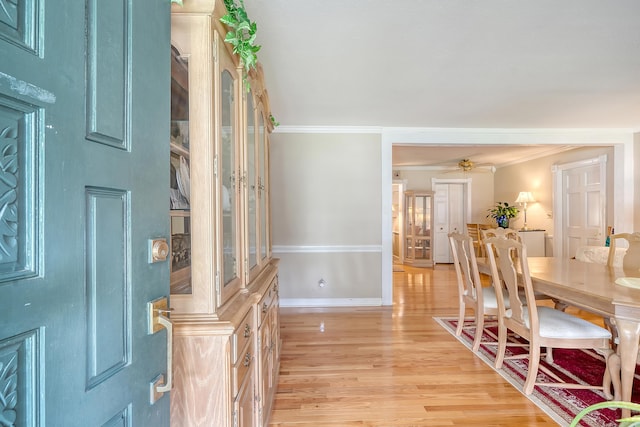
535,242
224,282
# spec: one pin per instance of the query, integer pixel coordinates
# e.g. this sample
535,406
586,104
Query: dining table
611,292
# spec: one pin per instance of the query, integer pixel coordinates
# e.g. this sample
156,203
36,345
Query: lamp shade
525,197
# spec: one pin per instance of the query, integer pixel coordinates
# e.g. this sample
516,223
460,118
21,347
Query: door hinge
215,165
235,418
246,270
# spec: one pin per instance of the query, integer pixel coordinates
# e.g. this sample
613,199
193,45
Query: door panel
84,125
449,217
584,194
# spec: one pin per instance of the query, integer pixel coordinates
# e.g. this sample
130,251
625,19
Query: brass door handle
157,320
166,323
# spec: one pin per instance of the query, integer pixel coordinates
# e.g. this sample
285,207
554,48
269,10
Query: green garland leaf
241,35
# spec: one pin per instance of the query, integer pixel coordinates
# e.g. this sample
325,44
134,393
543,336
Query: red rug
581,366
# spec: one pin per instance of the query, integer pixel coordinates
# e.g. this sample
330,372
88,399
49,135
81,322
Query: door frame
623,185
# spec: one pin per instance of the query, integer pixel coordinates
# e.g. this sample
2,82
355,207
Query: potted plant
502,212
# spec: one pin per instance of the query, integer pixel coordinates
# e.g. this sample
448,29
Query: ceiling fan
466,165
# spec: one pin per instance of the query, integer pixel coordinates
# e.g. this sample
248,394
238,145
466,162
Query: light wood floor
391,366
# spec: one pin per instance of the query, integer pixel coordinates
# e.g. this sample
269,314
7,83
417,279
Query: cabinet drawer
241,336
242,367
266,301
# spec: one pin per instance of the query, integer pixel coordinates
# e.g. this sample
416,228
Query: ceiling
487,156
451,63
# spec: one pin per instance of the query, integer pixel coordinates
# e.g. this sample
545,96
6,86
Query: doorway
622,192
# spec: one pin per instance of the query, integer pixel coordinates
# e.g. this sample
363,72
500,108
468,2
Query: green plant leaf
610,405
177,2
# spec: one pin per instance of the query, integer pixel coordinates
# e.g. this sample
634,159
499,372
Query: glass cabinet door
229,178
252,185
179,188
418,228
262,186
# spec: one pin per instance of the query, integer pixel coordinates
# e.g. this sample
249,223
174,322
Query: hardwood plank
391,366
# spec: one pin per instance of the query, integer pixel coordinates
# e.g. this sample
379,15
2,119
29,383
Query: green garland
241,34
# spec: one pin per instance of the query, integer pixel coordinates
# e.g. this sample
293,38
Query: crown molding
497,136
444,136
329,129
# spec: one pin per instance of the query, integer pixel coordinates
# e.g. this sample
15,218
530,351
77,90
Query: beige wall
326,217
327,210
536,176
481,187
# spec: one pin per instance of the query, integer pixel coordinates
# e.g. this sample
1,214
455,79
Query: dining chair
630,263
505,233
509,233
541,326
631,259
471,293
473,230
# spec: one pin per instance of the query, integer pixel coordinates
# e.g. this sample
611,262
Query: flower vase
503,221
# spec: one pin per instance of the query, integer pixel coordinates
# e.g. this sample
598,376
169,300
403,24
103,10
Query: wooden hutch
224,282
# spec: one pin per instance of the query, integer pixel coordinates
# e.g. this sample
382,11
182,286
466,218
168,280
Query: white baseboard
330,302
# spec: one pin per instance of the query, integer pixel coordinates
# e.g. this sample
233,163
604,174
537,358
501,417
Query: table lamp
523,198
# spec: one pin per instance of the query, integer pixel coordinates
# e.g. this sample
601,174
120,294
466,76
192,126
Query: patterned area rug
582,366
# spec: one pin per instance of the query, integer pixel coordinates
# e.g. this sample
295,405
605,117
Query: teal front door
84,125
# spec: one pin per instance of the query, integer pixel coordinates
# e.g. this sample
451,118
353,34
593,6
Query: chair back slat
466,267
507,233
507,258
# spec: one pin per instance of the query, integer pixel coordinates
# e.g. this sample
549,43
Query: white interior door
583,194
449,216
